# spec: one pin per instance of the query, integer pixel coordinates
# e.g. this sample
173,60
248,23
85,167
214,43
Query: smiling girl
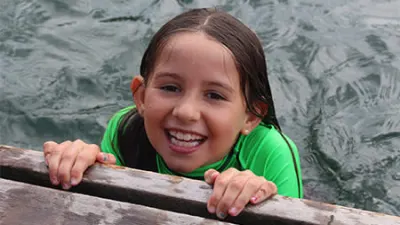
203,110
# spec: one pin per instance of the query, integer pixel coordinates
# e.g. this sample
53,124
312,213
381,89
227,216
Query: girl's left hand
233,189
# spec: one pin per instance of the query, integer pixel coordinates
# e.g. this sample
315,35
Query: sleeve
109,143
267,154
281,169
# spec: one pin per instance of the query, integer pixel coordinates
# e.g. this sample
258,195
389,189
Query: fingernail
211,209
105,157
254,199
74,181
54,180
221,215
66,186
233,211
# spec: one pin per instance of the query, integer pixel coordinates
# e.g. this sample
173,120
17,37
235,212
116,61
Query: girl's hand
233,189
69,160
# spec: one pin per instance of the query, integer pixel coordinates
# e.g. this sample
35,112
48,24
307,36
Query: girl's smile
184,142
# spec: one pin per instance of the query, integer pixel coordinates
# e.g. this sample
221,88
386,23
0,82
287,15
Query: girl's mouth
184,142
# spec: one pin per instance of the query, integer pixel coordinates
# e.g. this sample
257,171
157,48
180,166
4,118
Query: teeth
184,143
187,137
184,136
180,136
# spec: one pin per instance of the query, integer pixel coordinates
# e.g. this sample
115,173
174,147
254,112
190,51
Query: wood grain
181,195
23,203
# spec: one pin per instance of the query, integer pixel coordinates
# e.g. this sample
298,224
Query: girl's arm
266,153
283,169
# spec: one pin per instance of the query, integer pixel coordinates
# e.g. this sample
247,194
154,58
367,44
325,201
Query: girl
203,110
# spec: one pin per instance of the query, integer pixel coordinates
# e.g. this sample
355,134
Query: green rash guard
264,151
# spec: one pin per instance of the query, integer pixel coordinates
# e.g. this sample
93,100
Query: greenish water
334,69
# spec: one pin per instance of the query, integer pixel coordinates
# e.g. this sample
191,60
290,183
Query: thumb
48,146
106,158
210,176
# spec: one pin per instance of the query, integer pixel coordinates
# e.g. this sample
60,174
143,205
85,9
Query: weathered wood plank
181,194
23,203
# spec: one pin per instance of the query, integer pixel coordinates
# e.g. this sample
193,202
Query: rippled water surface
334,67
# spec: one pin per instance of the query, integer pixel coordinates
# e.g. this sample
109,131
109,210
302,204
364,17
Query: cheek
153,101
236,116
153,106
226,123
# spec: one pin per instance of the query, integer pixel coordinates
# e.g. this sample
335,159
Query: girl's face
192,105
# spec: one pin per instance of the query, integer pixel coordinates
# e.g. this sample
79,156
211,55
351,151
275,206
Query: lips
184,141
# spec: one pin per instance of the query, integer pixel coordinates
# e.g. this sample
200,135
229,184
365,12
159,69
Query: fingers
69,156
250,188
83,160
47,148
54,154
210,176
69,160
238,185
234,189
267,190
220,184
106,158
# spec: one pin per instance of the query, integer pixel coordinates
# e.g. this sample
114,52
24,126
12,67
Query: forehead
197,53
197,43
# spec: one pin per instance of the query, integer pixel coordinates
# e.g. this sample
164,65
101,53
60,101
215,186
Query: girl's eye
215,96
170,88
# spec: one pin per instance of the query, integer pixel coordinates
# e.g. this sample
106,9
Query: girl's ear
252,120
137,88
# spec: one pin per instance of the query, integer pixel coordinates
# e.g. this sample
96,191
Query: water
334,69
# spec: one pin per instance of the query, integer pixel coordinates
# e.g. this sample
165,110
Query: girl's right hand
69,160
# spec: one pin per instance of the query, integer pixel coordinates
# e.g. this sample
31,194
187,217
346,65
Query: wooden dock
119,195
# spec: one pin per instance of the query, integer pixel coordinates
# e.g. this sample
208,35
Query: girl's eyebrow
167,74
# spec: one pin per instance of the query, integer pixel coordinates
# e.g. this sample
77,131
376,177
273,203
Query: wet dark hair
248,53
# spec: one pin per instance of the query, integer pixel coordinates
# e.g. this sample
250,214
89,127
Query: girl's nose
186,110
